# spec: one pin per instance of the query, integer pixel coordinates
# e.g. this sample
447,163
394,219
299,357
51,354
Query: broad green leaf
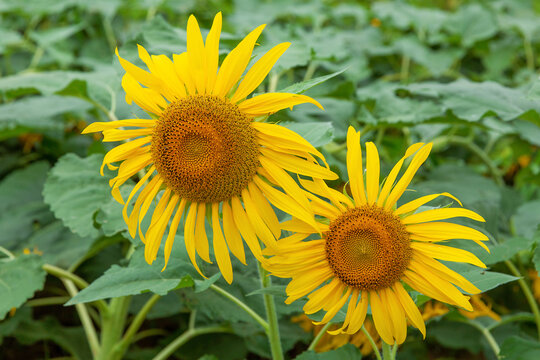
482,279
22,207
163,37
37,7
110,215
347,352
303,86
40,112
71,338
58,245
75,191
527,219
528,131
20,278
517,348
139,277
472,23
456,335
318,134
472,100
507,249
46,38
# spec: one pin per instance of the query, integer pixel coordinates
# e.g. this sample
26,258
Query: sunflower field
274,179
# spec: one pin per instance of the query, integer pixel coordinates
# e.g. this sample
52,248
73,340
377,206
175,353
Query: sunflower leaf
301,87
20,279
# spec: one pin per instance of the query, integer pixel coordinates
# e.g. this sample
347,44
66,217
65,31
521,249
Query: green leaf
318,134
75,191
472,23
517,348
301,87
59,245
40,112
139,277
20,278
505,250
526,220
471,100
456,335
347,352
536,257
22,207
482,279
46,38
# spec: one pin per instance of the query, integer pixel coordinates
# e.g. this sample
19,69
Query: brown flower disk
205,148
368,248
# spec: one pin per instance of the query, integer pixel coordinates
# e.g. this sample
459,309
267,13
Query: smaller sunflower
370,249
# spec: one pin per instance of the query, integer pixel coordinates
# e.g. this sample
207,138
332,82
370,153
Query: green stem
271,316
53,300
387,351
372,343
527,292
312,67
467,143
120,348
240,304
185,337
405,65
487,335
81,284
319,336
109,33
529,54
86,322
509,319
112,328
8,253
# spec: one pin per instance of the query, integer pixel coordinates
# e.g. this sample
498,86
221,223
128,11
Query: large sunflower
369,249
204,148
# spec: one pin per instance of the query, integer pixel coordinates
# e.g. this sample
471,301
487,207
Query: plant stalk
271,316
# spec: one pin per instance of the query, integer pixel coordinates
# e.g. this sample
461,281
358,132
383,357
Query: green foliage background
462,74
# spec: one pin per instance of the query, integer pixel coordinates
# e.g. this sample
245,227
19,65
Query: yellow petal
354,166
201,240
246,229
146,205
172,231
447,253
235,63
391,179
334,309
269,103
256,221
211,49
318,186
182,70
350,311
124,151
232,235
119,135
298,165
149,190
196,54
220,247
359,315
397,314
147,98
101,126
372,172
405,180
189,235
441,214
444,231
410,308
167,72
258,71
155,233
415,204
265,210
320,296
381,318
425,264
139,184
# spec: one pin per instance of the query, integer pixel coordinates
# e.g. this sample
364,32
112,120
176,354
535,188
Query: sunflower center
368,248
205,148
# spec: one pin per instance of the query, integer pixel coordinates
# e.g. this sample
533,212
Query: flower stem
271,316
86,322
185,337
387,352
113,327
319,336
120,348
527,292
372,343
487,335
243,306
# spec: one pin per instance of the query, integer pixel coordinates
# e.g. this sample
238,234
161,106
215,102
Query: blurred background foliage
463,74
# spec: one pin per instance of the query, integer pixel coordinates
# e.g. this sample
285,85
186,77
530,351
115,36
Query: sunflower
206,145
369,248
